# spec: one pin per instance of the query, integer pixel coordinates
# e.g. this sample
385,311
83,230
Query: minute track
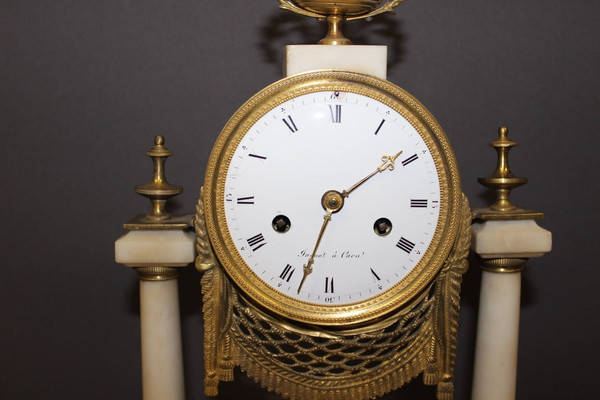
283,169
315,113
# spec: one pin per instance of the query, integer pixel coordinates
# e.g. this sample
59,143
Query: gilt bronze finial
159,190
503,181
334,12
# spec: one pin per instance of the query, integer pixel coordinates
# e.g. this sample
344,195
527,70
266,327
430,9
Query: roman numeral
375,275
329,284
336,116
256,242
289,122
409,160
418,203
379,127
257,156
245,200
287,273
405,245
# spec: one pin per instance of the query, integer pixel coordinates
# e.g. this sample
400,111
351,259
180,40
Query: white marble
370,60
495,370
174,248
510,239
162,358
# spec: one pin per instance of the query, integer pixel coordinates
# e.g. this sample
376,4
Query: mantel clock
332,234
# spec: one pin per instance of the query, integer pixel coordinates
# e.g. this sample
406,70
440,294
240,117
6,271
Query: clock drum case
332,235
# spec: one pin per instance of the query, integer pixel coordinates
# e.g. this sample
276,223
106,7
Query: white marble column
157,257
503,246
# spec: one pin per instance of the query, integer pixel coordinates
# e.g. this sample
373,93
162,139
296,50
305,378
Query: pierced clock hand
307,269
388,162
333,201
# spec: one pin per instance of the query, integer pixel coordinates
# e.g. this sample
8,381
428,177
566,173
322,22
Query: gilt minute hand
388,162
307,269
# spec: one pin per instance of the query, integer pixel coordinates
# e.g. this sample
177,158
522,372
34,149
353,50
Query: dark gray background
85,86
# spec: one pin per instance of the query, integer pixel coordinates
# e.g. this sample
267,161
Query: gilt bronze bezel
335,315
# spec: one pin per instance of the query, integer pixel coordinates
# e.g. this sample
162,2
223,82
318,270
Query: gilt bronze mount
334,12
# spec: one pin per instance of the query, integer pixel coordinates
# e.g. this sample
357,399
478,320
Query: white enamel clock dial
326,141
373,234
